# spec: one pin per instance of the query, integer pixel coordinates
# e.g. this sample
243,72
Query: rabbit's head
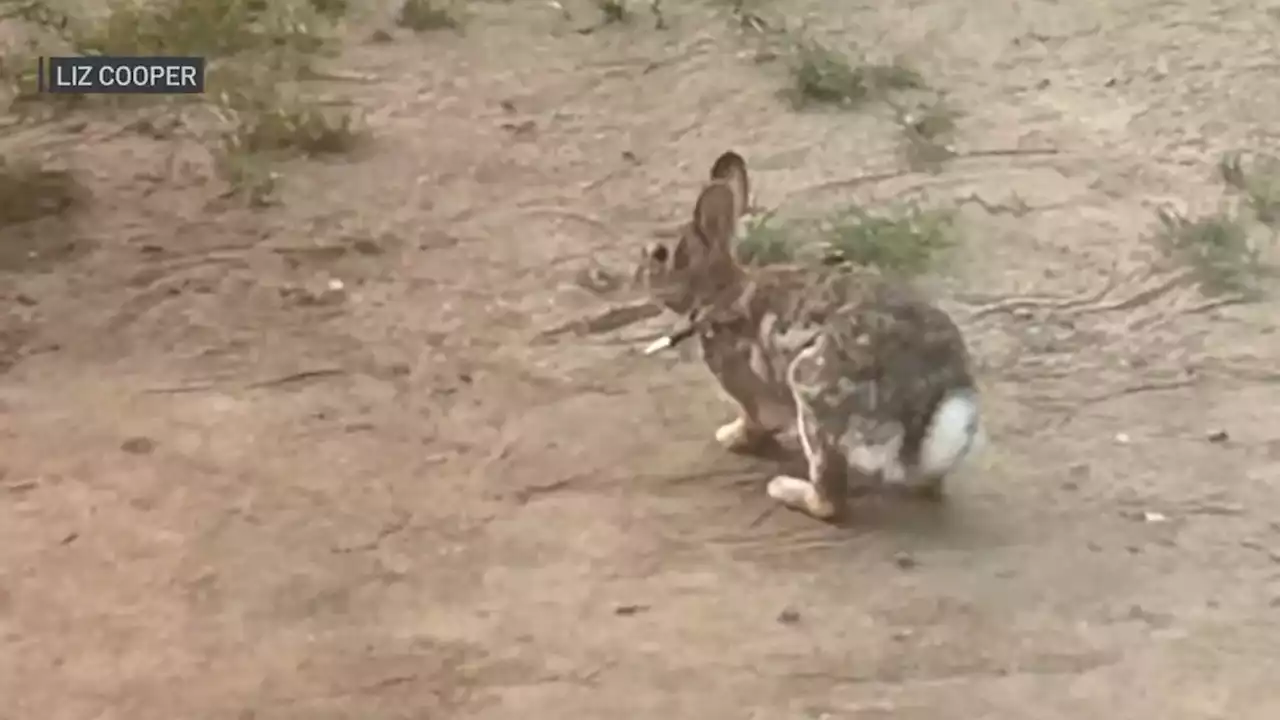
701,263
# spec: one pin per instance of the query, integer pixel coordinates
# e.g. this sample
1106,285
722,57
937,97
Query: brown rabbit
876,377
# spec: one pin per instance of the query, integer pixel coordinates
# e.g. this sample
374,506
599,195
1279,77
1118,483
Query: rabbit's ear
731,169
713,217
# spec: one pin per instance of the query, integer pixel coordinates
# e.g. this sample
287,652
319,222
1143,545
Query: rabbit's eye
660,253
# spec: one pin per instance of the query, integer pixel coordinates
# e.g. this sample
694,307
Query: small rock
789,616
1075,474
365,246
1161,66
1122,438
1154,517
1217,436
629,610
138,445
1143,615
905,561
521,129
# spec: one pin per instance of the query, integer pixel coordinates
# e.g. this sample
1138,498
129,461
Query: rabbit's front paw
741,436
799,494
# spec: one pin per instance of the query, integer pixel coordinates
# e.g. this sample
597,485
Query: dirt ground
226,492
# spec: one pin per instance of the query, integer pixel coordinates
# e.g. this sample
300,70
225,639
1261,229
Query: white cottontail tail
876,377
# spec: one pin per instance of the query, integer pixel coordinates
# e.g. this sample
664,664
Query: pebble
789,616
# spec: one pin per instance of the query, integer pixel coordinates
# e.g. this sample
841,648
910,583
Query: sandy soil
227,493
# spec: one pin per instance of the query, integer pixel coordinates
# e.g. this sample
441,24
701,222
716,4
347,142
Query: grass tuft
259,52
1259,183
765,241
1218,247
332,9
822,76
907,241
266,126
927,132
30,190
613,11
428,15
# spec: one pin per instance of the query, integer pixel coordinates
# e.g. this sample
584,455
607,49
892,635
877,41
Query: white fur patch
732,435
658,345
876,460
759,363
954,432
791,491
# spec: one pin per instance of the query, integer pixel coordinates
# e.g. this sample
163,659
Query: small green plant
297,127
907,242
331,8
217,29
613,11
258,51
1260,184
176,27
926,133
427,15
248,176
1218,247
266,129
821,75
229,32
765,242
30,190
931,121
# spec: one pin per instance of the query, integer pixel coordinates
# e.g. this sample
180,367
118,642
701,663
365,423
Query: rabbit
876,378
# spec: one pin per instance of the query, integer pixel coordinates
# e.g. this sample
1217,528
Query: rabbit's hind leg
824,493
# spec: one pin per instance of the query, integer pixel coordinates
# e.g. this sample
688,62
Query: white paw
791,491
800,494
733,435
